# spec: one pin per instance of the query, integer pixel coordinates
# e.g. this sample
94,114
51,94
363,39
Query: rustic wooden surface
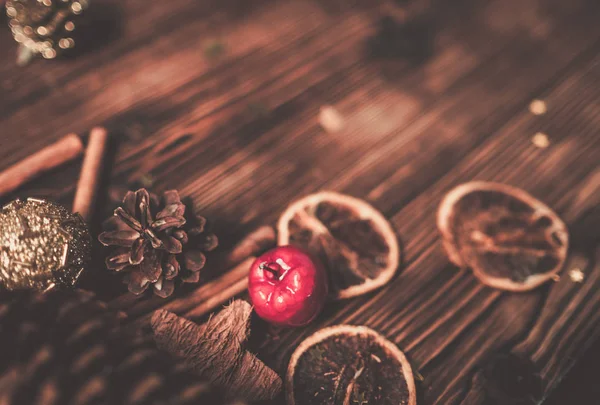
444,103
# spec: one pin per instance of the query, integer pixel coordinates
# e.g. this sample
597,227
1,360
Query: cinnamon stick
252,245
219,298
90,173
255,242
62,151
202,301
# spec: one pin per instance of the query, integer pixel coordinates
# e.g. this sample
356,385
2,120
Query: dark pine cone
156,249
65,348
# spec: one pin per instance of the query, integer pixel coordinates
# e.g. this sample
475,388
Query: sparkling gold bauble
44,27
42,245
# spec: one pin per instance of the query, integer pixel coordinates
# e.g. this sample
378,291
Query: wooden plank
444,318
234,185
137,61
101,93
240,136
294,155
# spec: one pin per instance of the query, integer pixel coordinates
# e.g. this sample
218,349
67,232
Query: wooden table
221,99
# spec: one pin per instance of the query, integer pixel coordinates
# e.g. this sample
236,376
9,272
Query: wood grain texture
238,133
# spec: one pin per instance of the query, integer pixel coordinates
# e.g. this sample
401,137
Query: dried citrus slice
509,239
354,241
347,364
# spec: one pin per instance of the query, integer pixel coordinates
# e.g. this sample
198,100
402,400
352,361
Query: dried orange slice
354,241
509,239
349,365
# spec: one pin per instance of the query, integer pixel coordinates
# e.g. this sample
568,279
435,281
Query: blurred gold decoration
330,119
540,140
538,107
43,27
42,245
576,275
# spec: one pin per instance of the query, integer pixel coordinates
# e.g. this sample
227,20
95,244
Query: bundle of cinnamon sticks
64,150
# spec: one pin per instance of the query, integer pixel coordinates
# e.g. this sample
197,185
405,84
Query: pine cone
155,249
44,26
62,348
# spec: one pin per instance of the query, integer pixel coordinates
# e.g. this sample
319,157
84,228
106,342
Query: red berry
287,286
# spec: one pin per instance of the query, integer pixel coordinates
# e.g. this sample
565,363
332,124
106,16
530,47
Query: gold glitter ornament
44,27
42,245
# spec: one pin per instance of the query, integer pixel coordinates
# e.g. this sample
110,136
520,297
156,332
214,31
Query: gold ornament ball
42,245
44,27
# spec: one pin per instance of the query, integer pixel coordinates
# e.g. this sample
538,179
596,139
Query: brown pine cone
156,242
63,348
